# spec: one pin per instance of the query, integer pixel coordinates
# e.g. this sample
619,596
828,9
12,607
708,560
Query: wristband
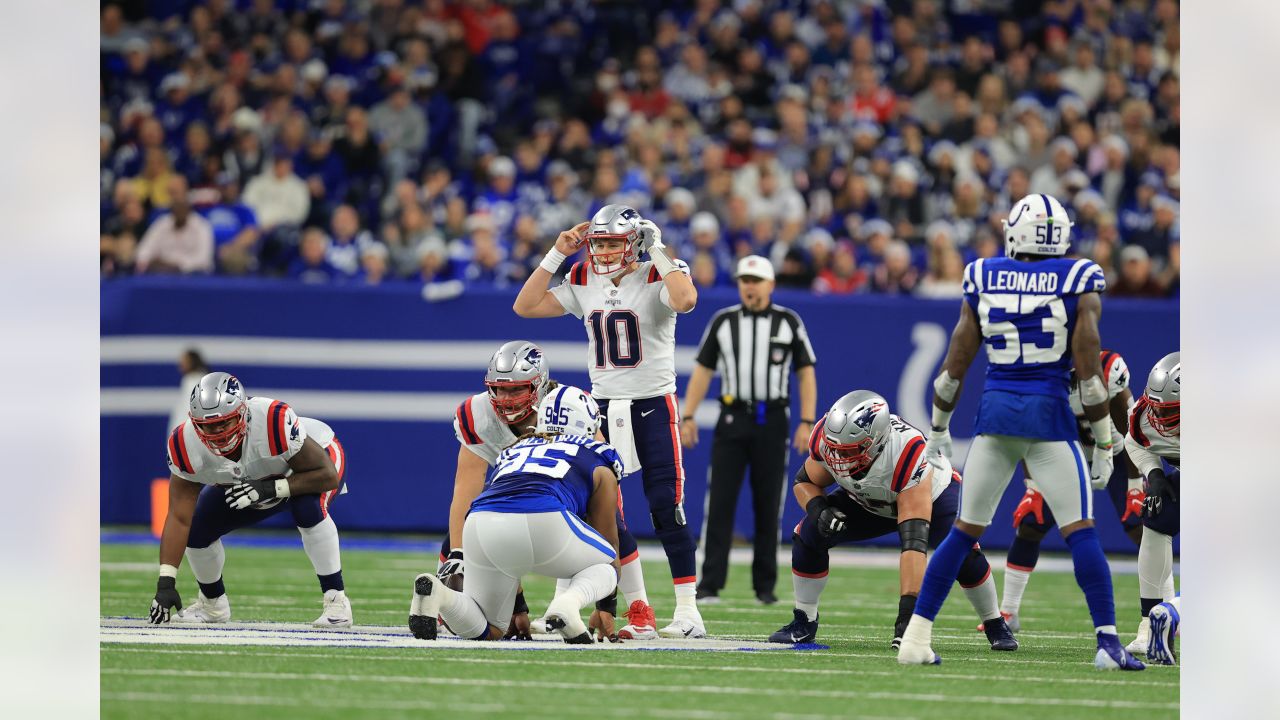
940,419
553,260
1101,429
945,386
660,260
521,606
282,488
609,604
168,571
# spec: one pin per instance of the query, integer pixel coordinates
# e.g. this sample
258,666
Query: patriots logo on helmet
533,356
868,415
233,385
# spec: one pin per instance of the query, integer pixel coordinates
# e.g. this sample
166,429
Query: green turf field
1051,676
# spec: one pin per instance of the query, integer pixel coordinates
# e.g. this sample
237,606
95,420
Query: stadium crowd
862,146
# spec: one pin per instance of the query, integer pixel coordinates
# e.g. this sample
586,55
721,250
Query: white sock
1015,583
1155,565
591,585
807,591
321,543
631,583
461,613
919,630
687,595
206,563
983,598
1105,630
1176,602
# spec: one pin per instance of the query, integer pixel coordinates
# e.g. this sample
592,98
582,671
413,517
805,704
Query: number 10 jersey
631,330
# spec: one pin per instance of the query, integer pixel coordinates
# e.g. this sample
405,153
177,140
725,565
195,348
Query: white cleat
912,653
538,626
337,610
565,618
204,610
1140,643
687,623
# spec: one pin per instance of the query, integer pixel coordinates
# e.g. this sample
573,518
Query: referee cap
755,266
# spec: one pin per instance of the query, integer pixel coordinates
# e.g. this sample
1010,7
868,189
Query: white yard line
693,690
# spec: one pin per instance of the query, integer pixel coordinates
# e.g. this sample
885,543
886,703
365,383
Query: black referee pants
741,441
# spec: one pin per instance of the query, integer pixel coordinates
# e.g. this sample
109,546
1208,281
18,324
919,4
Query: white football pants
503,547
1058,466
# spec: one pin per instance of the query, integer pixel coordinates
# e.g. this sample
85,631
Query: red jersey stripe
907,462
469,435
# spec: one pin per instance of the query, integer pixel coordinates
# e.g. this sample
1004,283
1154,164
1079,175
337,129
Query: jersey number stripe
616,337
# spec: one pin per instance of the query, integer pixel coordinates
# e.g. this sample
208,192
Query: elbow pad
945,386
914,535
801,477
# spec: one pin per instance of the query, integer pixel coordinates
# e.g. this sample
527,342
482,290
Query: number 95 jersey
631,330
1027,313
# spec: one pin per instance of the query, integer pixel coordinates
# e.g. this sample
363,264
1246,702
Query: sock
983,598
919,630
1015,583
1024,553
1093,575
808,589
1155,565
686,595
1176,602
631,580
563,584
321,543
943,569
590,585
1147,604
461,613
206,564
331,582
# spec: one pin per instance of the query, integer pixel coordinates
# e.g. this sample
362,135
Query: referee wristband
553,260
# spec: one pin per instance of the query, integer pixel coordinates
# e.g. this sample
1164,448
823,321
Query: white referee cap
755,266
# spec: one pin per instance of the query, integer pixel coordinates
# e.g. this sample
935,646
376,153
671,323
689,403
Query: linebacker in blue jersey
1035,311
548,509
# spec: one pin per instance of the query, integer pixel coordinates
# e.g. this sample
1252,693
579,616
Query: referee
753,346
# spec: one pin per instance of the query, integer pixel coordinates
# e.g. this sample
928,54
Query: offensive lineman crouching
236,462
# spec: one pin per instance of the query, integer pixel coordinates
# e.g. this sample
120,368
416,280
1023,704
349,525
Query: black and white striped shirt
754,352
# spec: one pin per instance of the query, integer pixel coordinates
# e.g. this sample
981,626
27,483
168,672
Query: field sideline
1051,676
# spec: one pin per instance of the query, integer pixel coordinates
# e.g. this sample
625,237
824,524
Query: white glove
1101,467
938,444
650,237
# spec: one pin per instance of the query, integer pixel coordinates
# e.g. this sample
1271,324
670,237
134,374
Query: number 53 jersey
631,330
1027,314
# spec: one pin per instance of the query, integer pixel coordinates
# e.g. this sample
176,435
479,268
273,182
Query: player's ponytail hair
530,433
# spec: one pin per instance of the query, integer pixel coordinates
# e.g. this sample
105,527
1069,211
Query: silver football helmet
613,222
1164,395
1037,225
517,379
568,410
219,412
854,433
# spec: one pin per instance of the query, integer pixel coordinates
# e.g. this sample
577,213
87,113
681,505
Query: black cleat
555,624
799,630
999,635
423,626
766,597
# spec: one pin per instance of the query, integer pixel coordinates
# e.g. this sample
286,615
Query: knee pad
668,518
807,556
974,569
627,545
306,510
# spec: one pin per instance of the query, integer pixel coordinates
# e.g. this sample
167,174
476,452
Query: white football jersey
1146,446
274,434
1115,376
631,330
901,466
477,426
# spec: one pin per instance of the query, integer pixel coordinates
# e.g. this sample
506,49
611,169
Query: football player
1036,311
1033,520
886,484
236,461
1155,436
629,309
548,509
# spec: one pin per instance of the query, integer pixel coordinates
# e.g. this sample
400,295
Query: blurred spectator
235,229
278,196
945,276
402,128
179,241
1136,278
373,263
844,276
311,265
895,275
348,242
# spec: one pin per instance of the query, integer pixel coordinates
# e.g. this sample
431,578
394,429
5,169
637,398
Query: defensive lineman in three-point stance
235,462
629,309
1035,311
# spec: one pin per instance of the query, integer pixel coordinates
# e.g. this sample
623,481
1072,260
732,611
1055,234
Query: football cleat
800,630
708,597
425,606
1000,635
911,653
1164,627
1139,644
204,610
1112,656
1010,619
563,617
538,626
641,623
687,623
337,610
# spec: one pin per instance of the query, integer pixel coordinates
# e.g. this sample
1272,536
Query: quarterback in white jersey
887,483
629,309
1154,440
235,462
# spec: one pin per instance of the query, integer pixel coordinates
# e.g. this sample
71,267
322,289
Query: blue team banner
386,368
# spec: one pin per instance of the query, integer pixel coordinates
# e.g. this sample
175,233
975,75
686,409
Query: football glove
939,443
1032,503
829,520
165,601
906,606
1133,503
251,492
1159,490
650,237
452,565
1101,467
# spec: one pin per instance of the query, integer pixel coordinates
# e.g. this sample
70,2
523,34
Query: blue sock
331,582
941,572
1093,575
